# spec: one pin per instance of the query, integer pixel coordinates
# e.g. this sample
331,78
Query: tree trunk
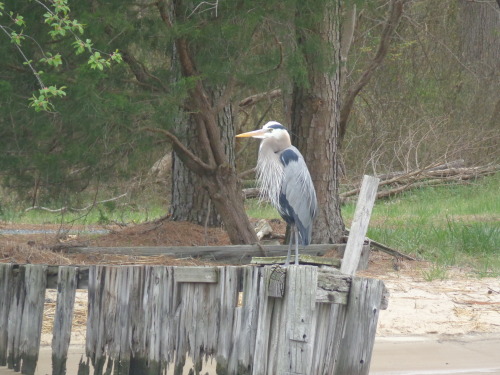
480,37
480,49
190,200
315,121
225,191
211,158
221,182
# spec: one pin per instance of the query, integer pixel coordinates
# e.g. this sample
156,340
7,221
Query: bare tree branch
141,73
65,209
162,8
188,158
254,99
395,12
346,39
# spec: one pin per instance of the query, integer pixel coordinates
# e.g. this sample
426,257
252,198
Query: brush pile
432,175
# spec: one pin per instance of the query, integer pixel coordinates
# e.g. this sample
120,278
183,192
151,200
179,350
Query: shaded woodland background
434,98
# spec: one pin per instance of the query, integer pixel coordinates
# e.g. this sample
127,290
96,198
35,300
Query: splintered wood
21,312
150,319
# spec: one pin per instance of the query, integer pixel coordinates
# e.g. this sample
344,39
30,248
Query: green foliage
57,17
42,102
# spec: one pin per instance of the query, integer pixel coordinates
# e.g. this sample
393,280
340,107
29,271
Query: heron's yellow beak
256,134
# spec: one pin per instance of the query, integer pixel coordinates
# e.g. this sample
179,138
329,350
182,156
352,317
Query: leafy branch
57,17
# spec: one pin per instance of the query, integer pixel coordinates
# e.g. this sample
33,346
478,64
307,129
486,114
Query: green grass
455,225
106,213
93,216
261,210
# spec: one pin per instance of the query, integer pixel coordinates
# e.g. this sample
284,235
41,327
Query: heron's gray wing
298,197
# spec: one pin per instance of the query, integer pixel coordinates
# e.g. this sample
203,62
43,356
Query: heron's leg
296,246
287,263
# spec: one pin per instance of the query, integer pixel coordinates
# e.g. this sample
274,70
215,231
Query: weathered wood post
359,225
365,297
61,333
6,289
296,348
356,347
21,309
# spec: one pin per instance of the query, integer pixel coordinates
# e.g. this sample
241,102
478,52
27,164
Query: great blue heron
284,180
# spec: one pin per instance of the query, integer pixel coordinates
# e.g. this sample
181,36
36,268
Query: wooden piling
365,301
61,333
21,314
7,282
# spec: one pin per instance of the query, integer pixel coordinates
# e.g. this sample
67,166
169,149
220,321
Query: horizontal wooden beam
333,286
303,259
196,274
233,254
181,274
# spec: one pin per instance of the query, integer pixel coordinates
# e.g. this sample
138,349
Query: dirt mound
164,233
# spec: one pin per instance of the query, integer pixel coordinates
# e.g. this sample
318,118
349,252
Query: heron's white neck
278,141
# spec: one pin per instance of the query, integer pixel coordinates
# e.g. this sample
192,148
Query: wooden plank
63,318
303,259
264,353
332,287
359,225
363,308
7,284
196,274
14,320
328,322
170,320
230,316
94,344
233,254
31,316
296,348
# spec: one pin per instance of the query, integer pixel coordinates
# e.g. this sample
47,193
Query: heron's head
272,130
